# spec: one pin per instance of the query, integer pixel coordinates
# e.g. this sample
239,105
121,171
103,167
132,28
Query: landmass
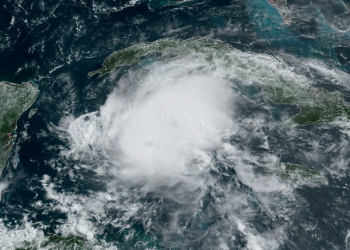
15,99
70,242
55,242
316,105
32,112
294,172
169,48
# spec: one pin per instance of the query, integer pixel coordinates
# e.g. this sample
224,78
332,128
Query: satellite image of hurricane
175,124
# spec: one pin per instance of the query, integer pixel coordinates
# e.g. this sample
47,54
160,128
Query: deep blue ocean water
56,43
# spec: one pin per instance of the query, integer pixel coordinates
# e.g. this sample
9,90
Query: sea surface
61,179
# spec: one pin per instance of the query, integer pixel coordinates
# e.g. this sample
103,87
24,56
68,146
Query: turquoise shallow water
57,44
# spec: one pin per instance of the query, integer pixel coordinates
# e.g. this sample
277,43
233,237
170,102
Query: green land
32,112
132,54
294,172
316,104
14,100
55,242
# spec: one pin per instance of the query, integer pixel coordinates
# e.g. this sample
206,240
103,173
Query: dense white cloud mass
164,132
172,147
164,128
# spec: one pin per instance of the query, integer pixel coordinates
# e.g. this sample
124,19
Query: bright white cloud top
164,127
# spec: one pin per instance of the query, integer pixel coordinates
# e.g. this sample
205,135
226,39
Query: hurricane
174,124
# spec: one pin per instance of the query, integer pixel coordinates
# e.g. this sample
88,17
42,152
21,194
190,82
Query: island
32,112
294,172
316,105
70,242
15,100
170,48
54,241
